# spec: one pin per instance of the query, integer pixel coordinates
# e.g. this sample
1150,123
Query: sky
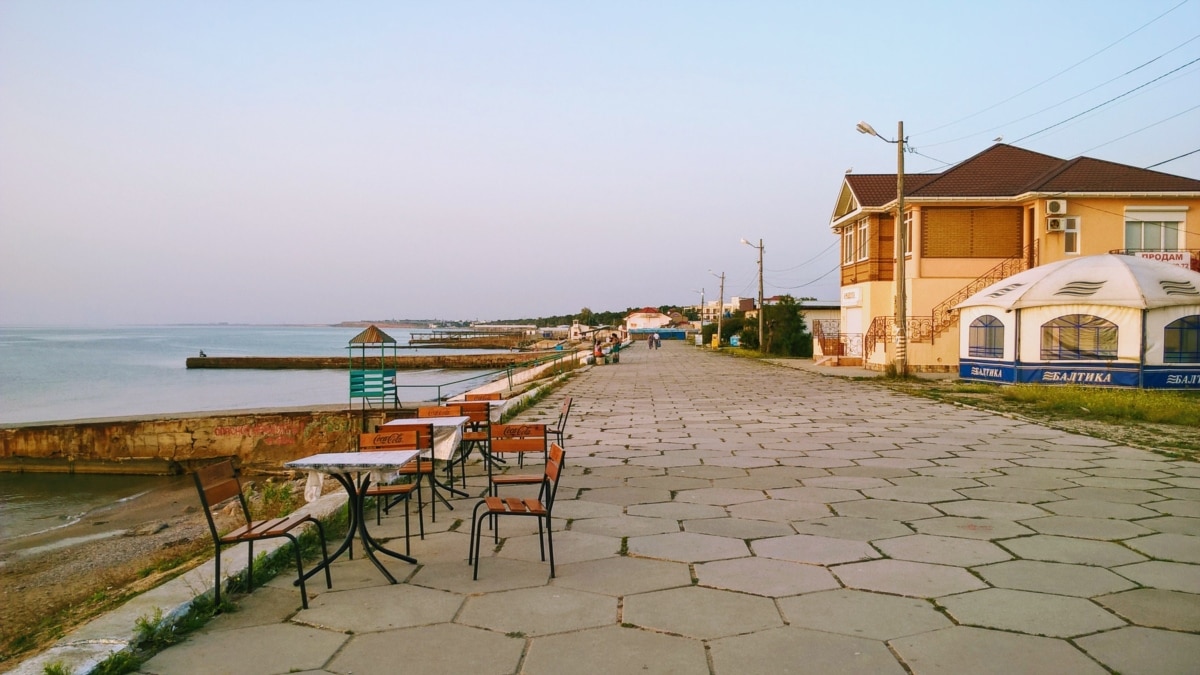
317,162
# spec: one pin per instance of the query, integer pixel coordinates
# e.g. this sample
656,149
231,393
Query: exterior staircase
945,316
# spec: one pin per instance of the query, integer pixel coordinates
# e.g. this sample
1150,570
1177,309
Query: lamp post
701,292
761,337
901,247
720,304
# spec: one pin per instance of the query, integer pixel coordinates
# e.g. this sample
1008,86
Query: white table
354,470
447,432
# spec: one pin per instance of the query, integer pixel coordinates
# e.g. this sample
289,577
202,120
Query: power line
1061,72
1138,131
789,269
1167,161
1101,105
1065,101
813,281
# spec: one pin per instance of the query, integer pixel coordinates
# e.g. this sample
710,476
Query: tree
586,316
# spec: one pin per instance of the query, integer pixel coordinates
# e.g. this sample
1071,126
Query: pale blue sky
266,162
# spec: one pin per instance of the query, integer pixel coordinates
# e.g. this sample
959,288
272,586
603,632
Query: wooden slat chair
476,435
219,482
388,495
541,508
515,439
559,430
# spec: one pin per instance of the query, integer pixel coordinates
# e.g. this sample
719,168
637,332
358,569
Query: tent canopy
1109,279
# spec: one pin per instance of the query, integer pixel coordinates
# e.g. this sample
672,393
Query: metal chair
388,495
219,482
541,508
559,430
515,439
476,435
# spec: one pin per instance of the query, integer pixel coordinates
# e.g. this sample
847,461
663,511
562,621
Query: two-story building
998,213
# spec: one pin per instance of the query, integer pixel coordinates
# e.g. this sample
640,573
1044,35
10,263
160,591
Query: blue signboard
1085,374
987,371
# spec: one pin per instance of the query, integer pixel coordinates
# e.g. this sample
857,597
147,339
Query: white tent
1108,320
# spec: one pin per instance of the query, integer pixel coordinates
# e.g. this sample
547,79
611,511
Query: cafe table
355,471
447,434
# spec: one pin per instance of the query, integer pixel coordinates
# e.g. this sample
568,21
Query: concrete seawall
165,445
413,362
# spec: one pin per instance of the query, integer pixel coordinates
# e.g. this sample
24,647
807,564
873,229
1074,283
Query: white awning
1109,279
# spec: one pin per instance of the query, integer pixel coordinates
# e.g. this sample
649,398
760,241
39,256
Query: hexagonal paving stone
539,611
858,529
1033,613
1010,494
1172,547
569,546
807,548
901,577
971,528
862,614
613,649
702,613
1137,650
1166,575
307,649
883,509
918,495
846,482
1071,550
814,495
993,510
675,511
624,526
765,576
779,510
687,547
367,610
1110,495
1173,525
581,508
797,650
1086,528
1092,508
957,650
1155,608
738,528
476,650
954,551
625,496
623,575
1047,577
719,496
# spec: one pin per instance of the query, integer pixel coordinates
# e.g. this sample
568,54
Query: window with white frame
1071,236
862,239
908,232
848,246
1153,230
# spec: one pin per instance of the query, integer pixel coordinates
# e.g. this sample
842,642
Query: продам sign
1178,258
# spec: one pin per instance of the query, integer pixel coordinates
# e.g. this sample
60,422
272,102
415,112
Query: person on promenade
657,342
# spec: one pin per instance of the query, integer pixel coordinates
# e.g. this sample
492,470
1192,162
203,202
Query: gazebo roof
1108,279
372,336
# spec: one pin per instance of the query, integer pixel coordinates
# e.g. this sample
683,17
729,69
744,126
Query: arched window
1181,340
985,337
1079,337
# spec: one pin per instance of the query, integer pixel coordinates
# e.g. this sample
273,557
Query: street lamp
761,338
701,292
720,304
901,247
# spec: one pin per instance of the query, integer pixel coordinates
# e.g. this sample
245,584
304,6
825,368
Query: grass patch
1111,405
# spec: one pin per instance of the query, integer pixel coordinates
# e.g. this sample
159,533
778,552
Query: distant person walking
656,342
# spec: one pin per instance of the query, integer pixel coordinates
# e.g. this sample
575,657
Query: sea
59,374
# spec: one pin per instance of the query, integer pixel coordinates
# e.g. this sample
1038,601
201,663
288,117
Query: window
908,227
1079,337
1181,340
862,239
1071,236
1153,230
848,246
986,337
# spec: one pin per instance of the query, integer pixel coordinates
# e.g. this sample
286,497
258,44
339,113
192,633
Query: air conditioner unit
1056,224
1056,207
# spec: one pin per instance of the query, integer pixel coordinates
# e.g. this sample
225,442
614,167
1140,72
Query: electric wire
1138,131
1060,73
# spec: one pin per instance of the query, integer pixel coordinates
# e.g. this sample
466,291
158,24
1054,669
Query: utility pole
901,252
720,304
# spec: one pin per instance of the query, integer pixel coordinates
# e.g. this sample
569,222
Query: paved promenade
722,515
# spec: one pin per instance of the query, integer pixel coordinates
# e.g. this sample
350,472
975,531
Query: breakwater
406,362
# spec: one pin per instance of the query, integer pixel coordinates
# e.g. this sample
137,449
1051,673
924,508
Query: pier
406,362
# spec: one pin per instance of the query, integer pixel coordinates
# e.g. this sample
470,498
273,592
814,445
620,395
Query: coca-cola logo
521,430
395,438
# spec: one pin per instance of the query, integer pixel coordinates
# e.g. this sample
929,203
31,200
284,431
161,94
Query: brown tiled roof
1006,171
372,336
1085,174
1000,171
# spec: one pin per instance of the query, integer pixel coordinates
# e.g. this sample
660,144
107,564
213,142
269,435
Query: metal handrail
492,375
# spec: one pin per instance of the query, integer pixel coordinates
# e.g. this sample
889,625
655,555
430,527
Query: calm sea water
53,374
74,373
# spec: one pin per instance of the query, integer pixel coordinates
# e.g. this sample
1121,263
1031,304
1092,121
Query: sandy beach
105,552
